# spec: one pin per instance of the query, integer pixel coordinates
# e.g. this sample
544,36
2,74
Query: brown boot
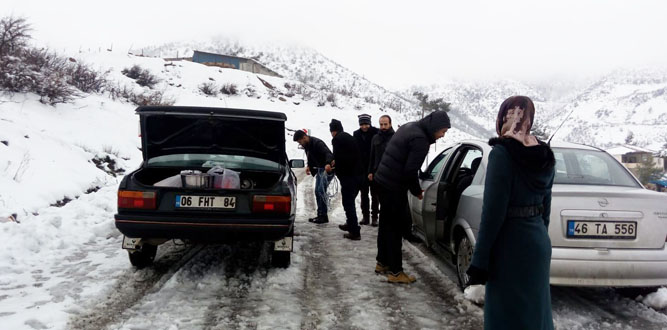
401,278
381,269
374,222
365,221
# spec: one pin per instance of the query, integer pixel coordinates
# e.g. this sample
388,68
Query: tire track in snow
131,287
444,297
235,306
322,292
601,308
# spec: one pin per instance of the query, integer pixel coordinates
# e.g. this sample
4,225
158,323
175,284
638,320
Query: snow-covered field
61,266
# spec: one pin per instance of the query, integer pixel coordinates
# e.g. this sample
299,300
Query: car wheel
281,259
464,250
143,257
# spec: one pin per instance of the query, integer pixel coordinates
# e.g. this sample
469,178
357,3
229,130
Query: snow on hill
475,104
54,154
627,106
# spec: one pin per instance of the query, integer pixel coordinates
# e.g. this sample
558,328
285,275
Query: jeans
349,188
393,206
322,179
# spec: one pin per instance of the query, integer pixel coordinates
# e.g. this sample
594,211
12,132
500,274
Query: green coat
516,252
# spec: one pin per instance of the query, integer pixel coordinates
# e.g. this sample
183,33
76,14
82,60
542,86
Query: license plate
602,230
284,244
206,202
130,243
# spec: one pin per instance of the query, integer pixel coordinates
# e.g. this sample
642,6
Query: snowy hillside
624,105
475,104
298,63
628,104
51,151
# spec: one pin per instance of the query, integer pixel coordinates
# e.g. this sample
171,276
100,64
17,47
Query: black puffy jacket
346,154
406,151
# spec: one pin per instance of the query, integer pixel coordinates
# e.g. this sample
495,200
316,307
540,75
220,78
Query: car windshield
590,167
236,162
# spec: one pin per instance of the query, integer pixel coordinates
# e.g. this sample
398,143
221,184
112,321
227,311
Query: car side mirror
297,163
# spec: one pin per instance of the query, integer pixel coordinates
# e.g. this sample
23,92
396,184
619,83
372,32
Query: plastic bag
224,178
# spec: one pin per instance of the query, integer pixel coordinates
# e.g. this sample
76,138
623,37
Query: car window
237,162
590,167
436,165
470,157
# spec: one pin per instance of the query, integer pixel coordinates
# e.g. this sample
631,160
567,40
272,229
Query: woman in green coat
513,250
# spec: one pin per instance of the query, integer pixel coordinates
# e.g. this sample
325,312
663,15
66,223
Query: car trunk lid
180,130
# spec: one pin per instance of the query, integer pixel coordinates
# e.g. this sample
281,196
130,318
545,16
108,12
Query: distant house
232,62
632,156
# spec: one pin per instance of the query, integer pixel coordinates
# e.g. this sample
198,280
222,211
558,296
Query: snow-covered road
86,282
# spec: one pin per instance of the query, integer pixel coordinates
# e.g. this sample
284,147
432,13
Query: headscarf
515,120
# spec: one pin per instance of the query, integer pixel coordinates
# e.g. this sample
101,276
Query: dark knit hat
298,135
364,119
335,125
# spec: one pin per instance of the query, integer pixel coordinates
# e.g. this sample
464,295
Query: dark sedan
209,175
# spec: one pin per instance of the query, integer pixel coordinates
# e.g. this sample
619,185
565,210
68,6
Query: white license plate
205,202
284,244
130,243
603,230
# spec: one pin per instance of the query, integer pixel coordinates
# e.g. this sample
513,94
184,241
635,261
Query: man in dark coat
396,175
378,145
319,165
364,135
350,174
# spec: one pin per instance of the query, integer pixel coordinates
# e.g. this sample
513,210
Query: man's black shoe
344,227
323,219
353,237
313,219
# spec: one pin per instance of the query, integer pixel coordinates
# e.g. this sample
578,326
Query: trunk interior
249,179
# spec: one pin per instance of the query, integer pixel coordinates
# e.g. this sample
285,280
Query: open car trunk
250,179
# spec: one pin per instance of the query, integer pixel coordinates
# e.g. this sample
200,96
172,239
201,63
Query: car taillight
136,199
271,204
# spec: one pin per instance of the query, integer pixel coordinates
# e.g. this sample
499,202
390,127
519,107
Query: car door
430,183
455,178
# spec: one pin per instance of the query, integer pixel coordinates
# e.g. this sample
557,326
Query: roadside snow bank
657,300
475,293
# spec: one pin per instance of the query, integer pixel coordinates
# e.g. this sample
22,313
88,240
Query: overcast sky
394,43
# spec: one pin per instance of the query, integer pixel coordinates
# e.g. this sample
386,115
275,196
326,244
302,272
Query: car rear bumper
203,229
613,267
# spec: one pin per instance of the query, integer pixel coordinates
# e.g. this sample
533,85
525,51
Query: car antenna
559,126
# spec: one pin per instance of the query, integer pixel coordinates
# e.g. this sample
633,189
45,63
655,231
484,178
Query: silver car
606,229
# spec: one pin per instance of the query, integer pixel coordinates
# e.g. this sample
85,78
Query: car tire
143,257
463,258
281,259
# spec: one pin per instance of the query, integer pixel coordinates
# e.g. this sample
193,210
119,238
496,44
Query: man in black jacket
378,145
350,173
364,135
319,165
396,175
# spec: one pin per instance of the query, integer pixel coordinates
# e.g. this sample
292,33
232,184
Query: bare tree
14,34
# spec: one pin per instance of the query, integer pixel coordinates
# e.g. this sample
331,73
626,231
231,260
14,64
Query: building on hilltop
232,62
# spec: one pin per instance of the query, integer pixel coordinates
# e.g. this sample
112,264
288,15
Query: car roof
553,144
210,110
